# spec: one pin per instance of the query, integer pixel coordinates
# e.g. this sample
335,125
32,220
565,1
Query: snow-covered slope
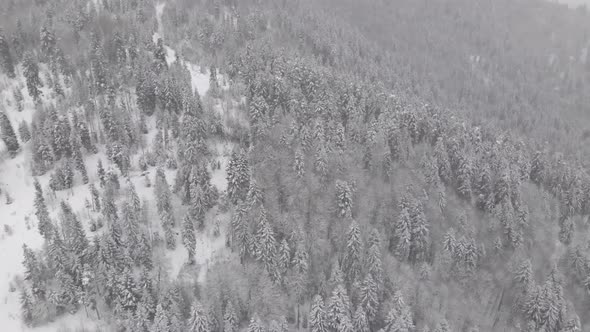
18,224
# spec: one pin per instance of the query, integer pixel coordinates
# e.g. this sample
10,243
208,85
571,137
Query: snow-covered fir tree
6,61
8,134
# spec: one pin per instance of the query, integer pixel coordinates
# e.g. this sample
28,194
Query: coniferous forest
294,165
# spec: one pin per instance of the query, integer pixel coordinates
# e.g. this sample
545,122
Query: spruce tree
283,256
47,43
188,237
317,315
146,93
6,62
26,306
132,197
161,320
18,98
374,263
420,234
238,177
164,206
399,317
84,134
265,241
101,174
230,319
338,309
360,321
34,272
23,131
255,324
279,325
353,253
198,321
44,222
61,136
77,156
344,199
160,56
95,197
31,73
8,134
402,235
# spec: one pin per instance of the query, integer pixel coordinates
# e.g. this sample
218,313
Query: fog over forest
294,165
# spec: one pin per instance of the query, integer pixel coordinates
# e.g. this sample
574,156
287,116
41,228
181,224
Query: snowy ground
18,225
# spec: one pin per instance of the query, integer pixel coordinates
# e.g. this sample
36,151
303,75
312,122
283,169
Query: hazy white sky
575,2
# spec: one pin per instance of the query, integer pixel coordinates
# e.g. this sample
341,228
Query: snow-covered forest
294,165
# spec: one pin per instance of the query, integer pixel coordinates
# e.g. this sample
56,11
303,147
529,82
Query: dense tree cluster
351,203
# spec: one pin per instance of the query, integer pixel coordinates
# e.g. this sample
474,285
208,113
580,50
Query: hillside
325,166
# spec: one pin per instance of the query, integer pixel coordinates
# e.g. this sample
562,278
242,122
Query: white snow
16,179
199,80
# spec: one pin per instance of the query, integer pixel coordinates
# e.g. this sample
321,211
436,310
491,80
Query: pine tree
63,177
352,258
230,319
43,157
399,318
317,316
420,234
283,256
18,98
146,93
464,177
109,208
78,240
338,307
33,272
23,131
26,308
344,199
47,43
369,297
188,237
31,73
198,321
164,206
118,154
132,197
538,168
402,235
77,156
44,222
8,134
84,134
255,324
161,321
240,236
299,165
61,137
160,56
101,174
95,197
265,241
360,321
442,160
98,66
374,259
238,177
6,62
443,326
213,83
